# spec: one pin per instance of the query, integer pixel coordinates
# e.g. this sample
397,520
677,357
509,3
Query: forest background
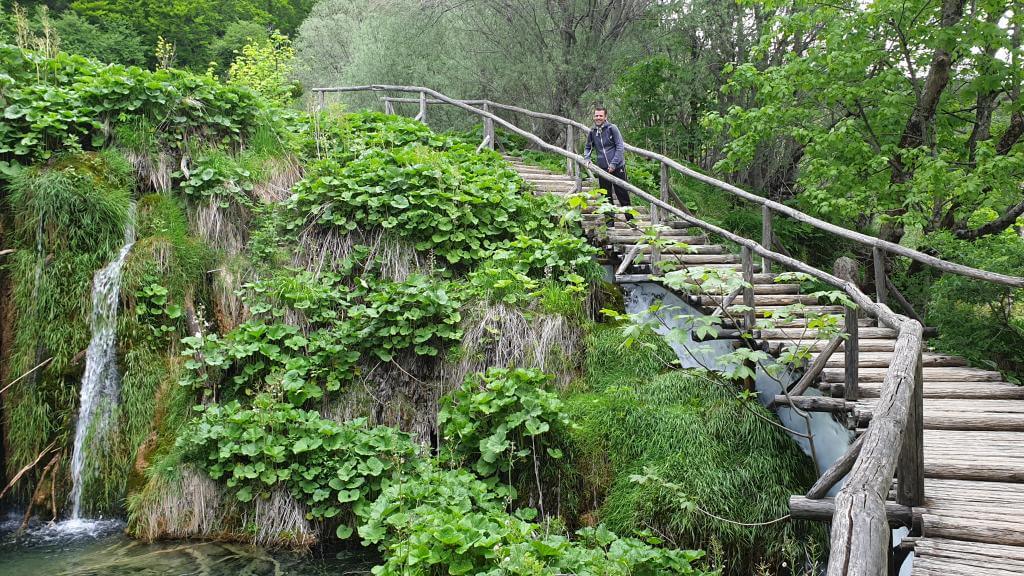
900,118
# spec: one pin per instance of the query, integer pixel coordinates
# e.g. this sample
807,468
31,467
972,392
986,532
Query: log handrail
882,246
860,533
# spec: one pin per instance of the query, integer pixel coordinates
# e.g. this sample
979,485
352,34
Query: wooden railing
892,443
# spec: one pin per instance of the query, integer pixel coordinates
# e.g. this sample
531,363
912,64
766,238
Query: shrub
336,470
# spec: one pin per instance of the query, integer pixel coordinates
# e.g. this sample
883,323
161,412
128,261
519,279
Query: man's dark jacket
606,142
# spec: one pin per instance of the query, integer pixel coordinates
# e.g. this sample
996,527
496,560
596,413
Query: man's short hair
602,109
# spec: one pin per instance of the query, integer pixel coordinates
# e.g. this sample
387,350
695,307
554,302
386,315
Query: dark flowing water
100,548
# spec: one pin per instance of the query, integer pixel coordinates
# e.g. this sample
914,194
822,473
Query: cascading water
101,382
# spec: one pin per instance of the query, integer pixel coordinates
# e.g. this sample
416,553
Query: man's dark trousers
616,191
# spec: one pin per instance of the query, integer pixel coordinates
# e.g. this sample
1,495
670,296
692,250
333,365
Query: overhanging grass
636,418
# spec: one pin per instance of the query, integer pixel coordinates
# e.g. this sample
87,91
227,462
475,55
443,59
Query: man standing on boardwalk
605,140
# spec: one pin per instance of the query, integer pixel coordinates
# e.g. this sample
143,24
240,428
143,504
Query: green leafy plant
334,469
500,418
372,318
153,310
449,521
63,102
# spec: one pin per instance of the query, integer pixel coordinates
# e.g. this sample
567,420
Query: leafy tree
264,66
108,41
236,36
194,27
546,55
904,113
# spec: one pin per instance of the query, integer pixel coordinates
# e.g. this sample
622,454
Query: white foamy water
101,382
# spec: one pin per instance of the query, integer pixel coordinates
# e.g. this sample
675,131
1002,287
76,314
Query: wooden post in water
878,257
766,236
852,356
423,108
748,290
910,470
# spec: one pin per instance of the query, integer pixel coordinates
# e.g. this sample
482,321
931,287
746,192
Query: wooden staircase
972,520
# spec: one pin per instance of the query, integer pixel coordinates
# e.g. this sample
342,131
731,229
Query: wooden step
764,299
963,390
867,331
776,289
971,555
635,234
819,344
767,311
939,374
962,415
877,359
635,278
672,249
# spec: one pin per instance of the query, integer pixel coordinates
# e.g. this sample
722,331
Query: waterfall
101,382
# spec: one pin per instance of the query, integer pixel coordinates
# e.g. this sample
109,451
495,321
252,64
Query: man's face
599,117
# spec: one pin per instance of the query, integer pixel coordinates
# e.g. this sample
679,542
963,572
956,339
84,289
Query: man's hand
611,167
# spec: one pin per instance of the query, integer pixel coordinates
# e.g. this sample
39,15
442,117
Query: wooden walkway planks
972,522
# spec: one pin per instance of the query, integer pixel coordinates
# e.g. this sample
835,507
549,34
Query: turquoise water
100,548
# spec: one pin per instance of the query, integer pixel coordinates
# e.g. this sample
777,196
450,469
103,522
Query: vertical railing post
878,256
748,290
570,147
910,467
321,97
488,128
423,107
656,225
666,185
851,350
766,236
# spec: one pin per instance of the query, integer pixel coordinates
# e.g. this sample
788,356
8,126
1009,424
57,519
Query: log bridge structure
937,446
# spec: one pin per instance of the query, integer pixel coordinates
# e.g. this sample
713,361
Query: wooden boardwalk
972,520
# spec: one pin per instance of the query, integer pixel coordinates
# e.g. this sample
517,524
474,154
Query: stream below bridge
100,548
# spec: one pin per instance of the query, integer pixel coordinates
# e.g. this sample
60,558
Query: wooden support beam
814,403
766,235
748,291
839,469
422,117
852,355
902,300
814,370
910,470
803,508
628,259
878,263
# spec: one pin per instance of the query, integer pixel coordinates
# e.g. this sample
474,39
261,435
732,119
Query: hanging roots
500,335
